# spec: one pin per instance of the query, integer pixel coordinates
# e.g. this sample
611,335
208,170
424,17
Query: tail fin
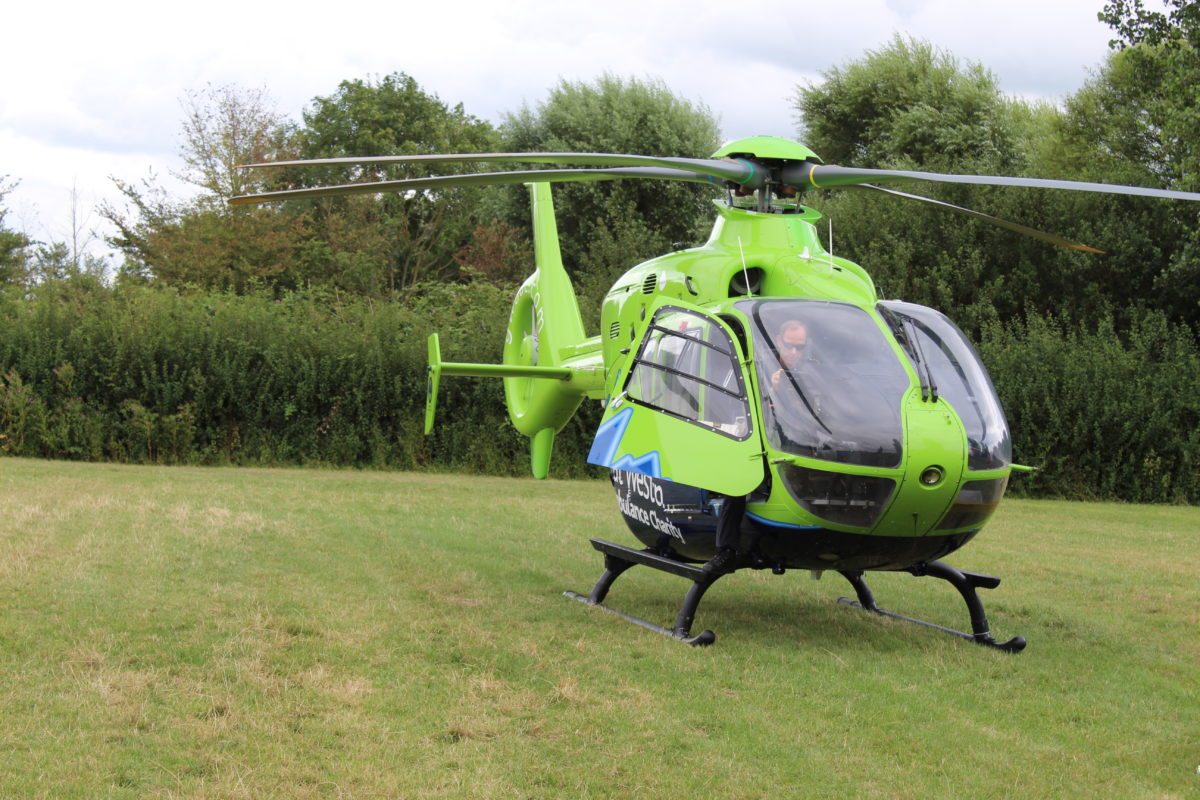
545,329
549,365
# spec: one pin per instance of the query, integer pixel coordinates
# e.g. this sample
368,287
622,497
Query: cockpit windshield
830,383
948,364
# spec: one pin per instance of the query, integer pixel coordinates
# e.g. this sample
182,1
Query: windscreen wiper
927,384
905,333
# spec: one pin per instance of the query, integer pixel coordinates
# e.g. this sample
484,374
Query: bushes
1105,415
152,376
144,375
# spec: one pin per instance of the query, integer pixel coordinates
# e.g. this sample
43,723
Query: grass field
205,633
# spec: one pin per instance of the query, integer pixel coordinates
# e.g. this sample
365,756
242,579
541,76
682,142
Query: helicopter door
679,409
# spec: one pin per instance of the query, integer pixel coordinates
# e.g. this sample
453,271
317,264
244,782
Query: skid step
650,559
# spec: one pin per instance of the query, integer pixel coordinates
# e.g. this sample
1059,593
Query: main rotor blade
743,173
477,179
1003,223
805,176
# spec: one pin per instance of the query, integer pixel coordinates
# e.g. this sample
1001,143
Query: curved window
687,367
830,383
976,502
846,499
950,368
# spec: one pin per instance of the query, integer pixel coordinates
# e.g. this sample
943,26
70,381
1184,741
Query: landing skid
618,558
965,582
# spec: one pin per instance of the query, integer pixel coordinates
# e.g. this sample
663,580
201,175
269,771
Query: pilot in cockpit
793,347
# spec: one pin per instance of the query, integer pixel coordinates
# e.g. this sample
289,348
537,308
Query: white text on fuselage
630,488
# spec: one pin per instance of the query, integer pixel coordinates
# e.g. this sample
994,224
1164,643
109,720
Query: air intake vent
614,330
746,281
649,284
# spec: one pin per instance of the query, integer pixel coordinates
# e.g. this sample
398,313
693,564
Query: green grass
177,632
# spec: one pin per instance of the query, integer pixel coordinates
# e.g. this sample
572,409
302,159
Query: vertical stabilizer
551,281
545,329
549,367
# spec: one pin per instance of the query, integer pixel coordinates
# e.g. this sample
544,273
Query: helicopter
763,407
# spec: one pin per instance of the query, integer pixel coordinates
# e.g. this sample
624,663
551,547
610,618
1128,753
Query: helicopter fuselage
877,443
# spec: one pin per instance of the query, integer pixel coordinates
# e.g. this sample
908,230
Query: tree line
294,332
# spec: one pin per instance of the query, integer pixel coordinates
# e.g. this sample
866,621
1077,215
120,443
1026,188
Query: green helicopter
763,407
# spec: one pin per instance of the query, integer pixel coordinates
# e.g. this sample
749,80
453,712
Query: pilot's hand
775,376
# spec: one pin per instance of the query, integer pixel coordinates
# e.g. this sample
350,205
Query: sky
92,92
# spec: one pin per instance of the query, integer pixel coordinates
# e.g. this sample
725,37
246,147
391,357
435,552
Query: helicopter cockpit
838,396
950,368
833,389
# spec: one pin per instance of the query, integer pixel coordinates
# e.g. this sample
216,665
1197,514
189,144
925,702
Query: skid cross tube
618,558
965,582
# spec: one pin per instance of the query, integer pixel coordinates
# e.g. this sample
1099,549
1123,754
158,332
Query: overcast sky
93,90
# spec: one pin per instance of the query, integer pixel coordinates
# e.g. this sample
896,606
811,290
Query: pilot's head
792,342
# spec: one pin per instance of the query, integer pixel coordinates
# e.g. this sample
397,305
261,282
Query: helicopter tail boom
585,378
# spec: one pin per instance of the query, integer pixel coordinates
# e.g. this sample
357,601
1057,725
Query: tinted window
937,346
838,397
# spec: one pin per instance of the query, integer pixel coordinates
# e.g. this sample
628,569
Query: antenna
830,220
745,271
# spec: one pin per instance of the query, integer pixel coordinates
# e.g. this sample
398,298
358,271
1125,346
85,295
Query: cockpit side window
687,366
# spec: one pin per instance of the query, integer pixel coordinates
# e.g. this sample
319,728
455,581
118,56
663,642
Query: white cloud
93,90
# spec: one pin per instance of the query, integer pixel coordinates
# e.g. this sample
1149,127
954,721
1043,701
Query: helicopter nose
838,497
935,454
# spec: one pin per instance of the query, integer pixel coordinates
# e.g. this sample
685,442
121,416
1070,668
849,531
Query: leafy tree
907,103
1136,25
607,227
972,270
203,241
375,245
200,243
1124,126
1159,64
59,262
1101,135
498,253
13,246
391,116
1159,61
224,127
397,239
